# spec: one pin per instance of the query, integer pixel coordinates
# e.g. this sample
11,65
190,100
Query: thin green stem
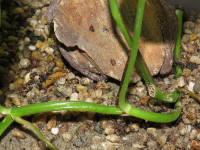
5,123
63,105
36,131
166,97
179,14
84,106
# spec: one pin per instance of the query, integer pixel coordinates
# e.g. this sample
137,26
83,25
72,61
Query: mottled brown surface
88,25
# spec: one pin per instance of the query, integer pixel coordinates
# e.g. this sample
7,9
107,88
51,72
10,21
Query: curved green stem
85,106
36,131
5,123
166,97
179,14
63,105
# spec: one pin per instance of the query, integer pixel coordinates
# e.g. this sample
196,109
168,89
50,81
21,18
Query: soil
29,54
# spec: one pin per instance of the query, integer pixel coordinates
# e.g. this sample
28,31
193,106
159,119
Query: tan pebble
135,127
27,78
43,19
85,81
8,103
152,132
38,44
109,130
35,146
145,100
17,11
185,38
63,128
195,59
186,72
43,46
98,93
81,88
15,99
74,97
190,49
82,95
193,134
50,58
25,63
59,63
113,138
67,137
35,55
18,82
18,134
162,140
193,37
51,123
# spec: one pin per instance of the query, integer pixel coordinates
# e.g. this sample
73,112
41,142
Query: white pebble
49,50
89,100
74,97
31,47
190,86
183,131
54,131
27,78
33,23
181,81
24,63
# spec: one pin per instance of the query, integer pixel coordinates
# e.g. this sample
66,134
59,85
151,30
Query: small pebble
74,97
113,138
85,81
67,137
193,134
190,86
89,100
54,131
193,37
152,132
196,87
31,47
66,91
80,88
51,123
181,81
18,134
24,63
195,59
135,127
109,130
49,50
26,40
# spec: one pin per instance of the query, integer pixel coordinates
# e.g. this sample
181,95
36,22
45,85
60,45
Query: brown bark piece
88,24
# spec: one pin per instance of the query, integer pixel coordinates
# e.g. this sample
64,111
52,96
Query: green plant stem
134,47
63,105
166,97
169,97
179,14
150,116
193,95
36,131
5,123
84,106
